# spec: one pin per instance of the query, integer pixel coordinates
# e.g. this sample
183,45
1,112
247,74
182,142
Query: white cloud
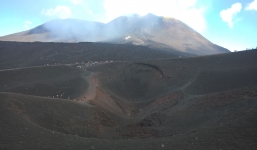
27,24
252,5
88,11
184,10
60,12
229,14
75,2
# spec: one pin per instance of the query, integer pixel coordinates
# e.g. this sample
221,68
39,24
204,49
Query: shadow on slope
136,81
56,115
47,81
142,82
218,80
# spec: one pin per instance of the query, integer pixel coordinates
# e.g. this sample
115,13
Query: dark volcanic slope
16,55
207,102
149,30
45,81
145,80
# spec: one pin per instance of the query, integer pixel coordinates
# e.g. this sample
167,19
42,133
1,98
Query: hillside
16,55
161,32
150,30
206,102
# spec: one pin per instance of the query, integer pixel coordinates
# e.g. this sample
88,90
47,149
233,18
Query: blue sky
231,23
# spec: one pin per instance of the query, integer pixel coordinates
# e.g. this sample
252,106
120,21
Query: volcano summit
150,30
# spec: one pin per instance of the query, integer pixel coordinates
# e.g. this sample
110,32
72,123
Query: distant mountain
150,30
60,30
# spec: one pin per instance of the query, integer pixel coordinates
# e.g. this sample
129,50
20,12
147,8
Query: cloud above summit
187,11
76,2
62,12
204,16
252,5
229,15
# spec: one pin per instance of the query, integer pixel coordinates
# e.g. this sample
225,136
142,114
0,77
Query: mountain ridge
149,30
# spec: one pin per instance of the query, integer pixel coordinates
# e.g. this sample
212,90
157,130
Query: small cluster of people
80,99
90,63
58,95
61,94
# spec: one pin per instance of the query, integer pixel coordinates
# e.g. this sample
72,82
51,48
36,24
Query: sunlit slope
149,30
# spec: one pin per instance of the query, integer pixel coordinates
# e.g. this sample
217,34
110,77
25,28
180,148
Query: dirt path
191,80
91,91
32,67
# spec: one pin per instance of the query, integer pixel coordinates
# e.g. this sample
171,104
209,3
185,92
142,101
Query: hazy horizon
230,24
